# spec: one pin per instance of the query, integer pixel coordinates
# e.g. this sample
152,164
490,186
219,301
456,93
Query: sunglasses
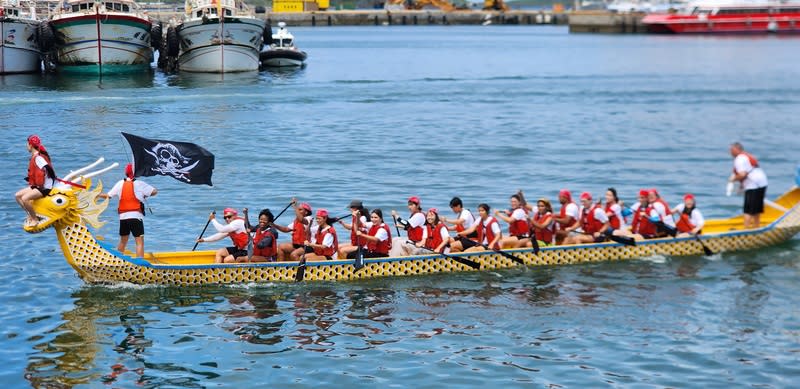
227,217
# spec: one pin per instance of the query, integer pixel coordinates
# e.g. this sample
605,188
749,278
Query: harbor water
383,113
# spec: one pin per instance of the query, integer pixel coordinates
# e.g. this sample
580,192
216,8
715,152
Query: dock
604,22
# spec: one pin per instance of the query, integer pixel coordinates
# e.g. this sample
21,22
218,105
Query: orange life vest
434,236
415,233
544,234
36,176
326,251
239,238
684,224
380,247
589,224
127,199
269,251
487,232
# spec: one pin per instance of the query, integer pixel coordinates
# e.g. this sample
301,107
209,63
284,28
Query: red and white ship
728,17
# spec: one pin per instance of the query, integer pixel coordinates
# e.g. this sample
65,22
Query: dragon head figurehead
71,203
66,206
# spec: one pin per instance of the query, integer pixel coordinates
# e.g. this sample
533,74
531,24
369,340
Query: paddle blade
626,240
359,262
706,250
535,243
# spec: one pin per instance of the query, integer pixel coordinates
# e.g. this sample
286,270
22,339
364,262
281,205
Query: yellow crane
496,5
444,5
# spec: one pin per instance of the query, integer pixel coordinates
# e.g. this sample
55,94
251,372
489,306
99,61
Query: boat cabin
200,8
742,9
9,8
282,38
110,6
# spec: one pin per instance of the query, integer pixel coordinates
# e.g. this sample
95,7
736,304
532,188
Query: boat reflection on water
14,81
285,73
202,80
73,82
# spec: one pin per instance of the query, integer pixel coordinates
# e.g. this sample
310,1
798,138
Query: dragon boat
73,211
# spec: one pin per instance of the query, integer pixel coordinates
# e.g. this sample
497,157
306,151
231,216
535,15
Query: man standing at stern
752,180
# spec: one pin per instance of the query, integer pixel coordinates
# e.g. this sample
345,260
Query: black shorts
236,252
467,243
296,246
754,201
131,226
43,191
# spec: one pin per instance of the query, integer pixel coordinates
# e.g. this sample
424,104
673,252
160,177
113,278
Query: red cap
653,191
565,193
229,211
413,199
688,196
434,210
586,196
129,170
644,192
306,206
322,212
35,141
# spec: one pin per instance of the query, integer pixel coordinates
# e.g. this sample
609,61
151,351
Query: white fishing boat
217,36
19,47
281,51
115,36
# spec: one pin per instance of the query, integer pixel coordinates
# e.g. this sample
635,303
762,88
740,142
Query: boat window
126,8
287,42
84,6
213,11
789,10
75,8
109,6
227,12
199,13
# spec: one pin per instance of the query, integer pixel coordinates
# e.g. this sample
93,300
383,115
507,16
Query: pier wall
604,22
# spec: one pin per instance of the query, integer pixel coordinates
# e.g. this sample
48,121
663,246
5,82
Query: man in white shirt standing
131,193
752,180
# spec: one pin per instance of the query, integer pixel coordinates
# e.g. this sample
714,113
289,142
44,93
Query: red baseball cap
586,196
413,199
229,211
306,206
688,196
565,193
129,170
322,212
434,210
644,192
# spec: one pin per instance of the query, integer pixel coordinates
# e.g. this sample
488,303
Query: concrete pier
408,17
605,22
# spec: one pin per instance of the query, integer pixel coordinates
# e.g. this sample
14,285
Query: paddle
301,267
197,241
626,240
284,210
505,254
359,261
463,261
395,225
248,227
674,231
532,231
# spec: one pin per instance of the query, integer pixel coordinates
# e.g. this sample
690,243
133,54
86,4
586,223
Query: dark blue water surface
382,113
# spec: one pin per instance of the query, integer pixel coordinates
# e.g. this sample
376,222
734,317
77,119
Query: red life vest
487,232
684,224
127,199
239,238
269,251
298,232
327,251
643,225
353,228
562,214
36,176
613,220
434,236
381,247
518,227
415,233
664,203
589,224
544,234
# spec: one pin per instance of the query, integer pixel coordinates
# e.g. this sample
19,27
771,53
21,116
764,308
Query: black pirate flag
183,161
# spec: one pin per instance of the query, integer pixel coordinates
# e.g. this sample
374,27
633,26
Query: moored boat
19,44
218,36
731,17
103,37
282,51
73,211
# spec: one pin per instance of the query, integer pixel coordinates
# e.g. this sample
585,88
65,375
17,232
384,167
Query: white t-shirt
756,178
235,226
467,217
381,234
572,210
417,220
495,228
696,218
41,163
616,210
519,214
141,190
663,213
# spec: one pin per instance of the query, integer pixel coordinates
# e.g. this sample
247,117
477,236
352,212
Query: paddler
487,229
326,244
414,226
438,238
690,220
300,230
518,227
378,236
542,223
131,193
41,178
265,238
233,228
357,221
593,222
567,216
464,219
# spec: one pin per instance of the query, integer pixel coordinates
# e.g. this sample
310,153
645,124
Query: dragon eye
59,200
